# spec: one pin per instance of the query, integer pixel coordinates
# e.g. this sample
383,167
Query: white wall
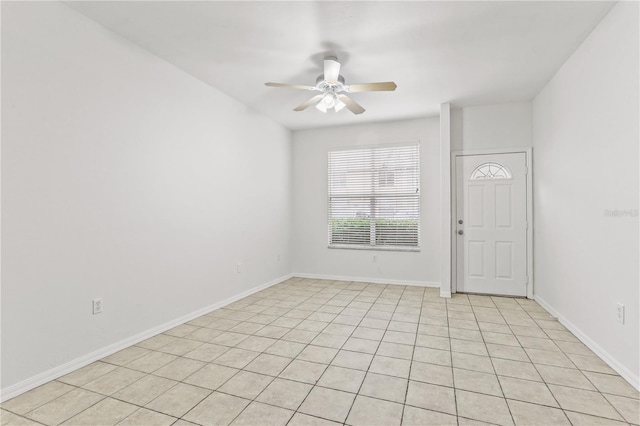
491,126
585,162
127,179
310,252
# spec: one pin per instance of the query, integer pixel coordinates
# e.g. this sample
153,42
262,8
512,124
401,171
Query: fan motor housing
321,79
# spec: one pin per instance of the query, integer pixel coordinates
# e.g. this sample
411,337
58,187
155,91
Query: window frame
397,248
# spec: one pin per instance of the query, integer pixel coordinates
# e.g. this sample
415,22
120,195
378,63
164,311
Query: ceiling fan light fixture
321,107
339,105
328,100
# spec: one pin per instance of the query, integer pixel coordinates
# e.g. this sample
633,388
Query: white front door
491,224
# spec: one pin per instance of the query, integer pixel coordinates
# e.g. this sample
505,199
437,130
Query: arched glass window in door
488,171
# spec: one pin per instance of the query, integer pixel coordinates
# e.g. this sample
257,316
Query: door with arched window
491,224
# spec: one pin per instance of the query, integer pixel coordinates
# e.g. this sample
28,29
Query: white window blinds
374,197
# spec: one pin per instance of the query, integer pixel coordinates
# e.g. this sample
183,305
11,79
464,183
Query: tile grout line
306,345
327,365
287,294
374,355
577,369
205,364
390,376
98,393
493,367
151,373
560,350
413,351
381,342
366,371
274,378
536,368
453,376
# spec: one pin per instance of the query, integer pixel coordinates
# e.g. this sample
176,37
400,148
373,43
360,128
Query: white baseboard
59,371
627,374
445,294
366,280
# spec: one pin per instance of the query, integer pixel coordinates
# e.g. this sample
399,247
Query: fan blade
371,87
291,86
331,70
308,103
351,104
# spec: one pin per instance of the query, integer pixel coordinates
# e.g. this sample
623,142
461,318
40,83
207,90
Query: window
490,171
374,197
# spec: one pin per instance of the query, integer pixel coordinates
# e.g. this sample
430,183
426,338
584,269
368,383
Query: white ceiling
467,53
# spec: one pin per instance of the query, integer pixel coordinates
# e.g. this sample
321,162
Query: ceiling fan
332,90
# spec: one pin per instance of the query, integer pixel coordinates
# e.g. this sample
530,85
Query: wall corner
445,197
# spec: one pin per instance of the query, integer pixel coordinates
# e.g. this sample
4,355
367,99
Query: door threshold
490,295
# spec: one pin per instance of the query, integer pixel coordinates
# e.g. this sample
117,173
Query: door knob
460,232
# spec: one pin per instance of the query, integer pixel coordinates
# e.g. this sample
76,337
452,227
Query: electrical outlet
375,258
620,313
97,306
238,267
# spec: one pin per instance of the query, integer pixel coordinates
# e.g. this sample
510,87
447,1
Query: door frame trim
528,151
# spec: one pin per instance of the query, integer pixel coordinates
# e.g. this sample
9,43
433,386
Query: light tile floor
314,352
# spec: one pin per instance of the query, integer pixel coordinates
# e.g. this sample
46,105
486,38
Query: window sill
373,248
